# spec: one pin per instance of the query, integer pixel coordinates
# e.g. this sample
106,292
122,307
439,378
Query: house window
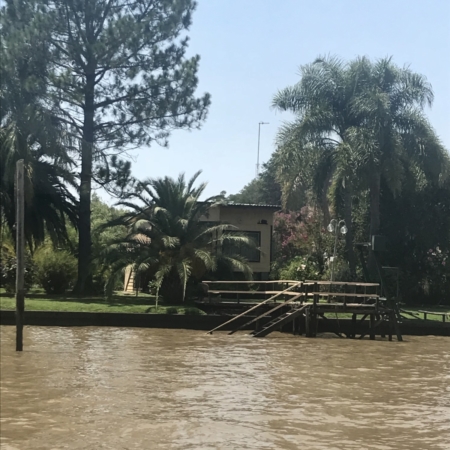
251,254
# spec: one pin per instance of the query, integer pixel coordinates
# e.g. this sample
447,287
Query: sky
250,49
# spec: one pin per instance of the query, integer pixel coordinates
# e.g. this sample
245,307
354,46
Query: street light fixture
336,227
259,135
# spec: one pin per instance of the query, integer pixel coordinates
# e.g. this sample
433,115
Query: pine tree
120,79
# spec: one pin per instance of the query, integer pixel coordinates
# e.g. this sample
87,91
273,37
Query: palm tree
394,135
168,239
49,202
313,151
29,130
364,122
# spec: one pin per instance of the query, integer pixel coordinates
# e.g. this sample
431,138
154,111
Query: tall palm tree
168,239
365,121
314,149
394,135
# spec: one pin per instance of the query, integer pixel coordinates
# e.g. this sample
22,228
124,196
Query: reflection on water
109,388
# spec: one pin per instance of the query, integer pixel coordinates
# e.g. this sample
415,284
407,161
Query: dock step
279,321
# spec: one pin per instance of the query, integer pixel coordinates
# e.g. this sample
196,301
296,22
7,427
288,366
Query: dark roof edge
245,205
252,205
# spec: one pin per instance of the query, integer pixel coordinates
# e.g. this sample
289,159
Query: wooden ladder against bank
276,323
308,303
286,302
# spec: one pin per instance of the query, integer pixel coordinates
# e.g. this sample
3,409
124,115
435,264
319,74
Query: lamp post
335,227
259,136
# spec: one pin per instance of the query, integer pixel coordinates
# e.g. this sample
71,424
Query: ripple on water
92,388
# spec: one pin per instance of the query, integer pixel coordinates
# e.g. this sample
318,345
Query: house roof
252,205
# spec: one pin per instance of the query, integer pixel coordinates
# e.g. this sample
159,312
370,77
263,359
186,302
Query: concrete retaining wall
208,322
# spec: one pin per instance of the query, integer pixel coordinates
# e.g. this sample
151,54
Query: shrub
192,312
171,310
299,268
8,266
55,270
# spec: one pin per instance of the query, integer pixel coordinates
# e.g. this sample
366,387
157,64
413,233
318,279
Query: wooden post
396,327
20,254
378,317
300,325
353,332
372,329
308,322
391,326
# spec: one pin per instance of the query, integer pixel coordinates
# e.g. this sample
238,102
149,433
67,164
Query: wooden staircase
128,285
283,319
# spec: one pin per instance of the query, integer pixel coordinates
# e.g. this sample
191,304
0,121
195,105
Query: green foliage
55,270
171,310
361,149
117,75
300,268
31,130
8,268
264,189
167,240
192,311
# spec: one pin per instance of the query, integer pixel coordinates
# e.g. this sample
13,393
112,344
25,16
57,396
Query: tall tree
264,189
30,130
365,120
394,134
120,79
313,149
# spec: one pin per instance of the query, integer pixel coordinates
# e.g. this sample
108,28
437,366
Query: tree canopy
170,239
117,75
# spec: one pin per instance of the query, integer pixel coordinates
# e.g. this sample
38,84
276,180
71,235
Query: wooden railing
293,286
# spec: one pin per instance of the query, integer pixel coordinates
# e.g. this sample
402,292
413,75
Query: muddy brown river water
111,388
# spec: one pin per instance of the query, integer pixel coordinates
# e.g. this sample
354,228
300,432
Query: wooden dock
304,304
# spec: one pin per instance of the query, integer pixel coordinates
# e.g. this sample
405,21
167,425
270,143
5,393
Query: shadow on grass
116,300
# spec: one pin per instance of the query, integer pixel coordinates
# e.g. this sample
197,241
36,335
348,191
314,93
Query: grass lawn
36,300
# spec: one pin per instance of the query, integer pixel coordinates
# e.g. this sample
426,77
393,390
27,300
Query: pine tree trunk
348,213
375,193
84,281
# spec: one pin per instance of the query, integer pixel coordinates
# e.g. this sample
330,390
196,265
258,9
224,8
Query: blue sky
250,49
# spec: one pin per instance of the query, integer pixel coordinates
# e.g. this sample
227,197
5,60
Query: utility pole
259,136
20,254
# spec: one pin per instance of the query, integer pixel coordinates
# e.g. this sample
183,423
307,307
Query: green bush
55,270
8,266
192,312
299,268
171,310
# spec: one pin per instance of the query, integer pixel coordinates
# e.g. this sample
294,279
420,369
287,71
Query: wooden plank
267,313
341,283
219,292
425,313
342,294
252,282
279,322
254,307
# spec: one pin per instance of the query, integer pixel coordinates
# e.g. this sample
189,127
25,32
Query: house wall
246,219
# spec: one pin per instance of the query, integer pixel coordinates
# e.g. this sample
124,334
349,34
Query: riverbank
200,322
145,303
120,303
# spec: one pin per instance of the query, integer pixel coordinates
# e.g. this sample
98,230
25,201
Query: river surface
112,388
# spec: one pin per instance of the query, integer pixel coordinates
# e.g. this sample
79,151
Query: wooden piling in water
372,327
20,254
353,332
